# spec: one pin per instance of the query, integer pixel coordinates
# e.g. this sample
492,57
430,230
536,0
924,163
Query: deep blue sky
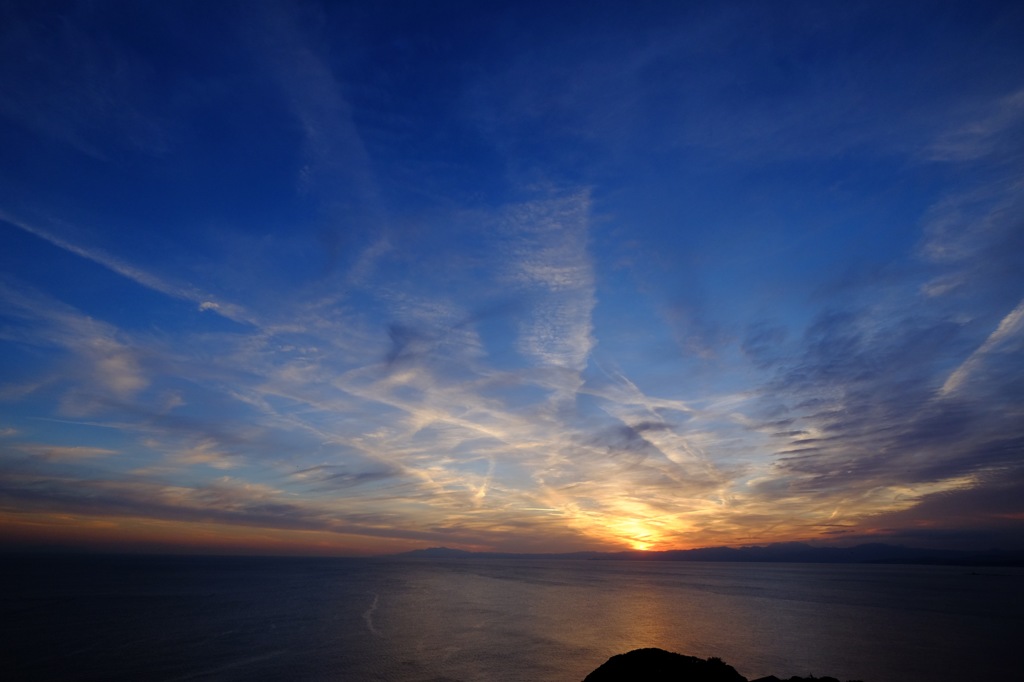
362,277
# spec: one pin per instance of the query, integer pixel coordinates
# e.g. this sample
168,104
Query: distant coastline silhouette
658,665
779,552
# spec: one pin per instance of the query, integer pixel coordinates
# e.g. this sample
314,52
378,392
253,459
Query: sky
353,278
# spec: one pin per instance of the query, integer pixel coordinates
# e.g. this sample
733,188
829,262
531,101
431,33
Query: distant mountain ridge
448,553
782,552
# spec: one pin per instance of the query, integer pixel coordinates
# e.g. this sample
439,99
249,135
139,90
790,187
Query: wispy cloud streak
135,274
549,261
1009,326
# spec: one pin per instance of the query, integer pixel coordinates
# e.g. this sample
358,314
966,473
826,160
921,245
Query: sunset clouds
325,279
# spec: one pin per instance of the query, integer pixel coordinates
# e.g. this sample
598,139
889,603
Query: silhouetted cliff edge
658,665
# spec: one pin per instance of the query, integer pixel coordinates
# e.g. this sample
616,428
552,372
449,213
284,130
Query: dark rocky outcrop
658,665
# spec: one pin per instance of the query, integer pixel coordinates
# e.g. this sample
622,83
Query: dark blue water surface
149,618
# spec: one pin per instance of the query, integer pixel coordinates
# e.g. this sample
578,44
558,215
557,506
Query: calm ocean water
417,621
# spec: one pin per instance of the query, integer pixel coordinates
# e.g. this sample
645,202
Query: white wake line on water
368,615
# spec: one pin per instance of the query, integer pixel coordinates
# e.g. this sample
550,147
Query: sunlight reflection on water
875,623
421,621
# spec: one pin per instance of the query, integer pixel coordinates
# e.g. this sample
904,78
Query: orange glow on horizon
620,525
636,528
145,534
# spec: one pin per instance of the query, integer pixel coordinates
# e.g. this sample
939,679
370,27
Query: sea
148,618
